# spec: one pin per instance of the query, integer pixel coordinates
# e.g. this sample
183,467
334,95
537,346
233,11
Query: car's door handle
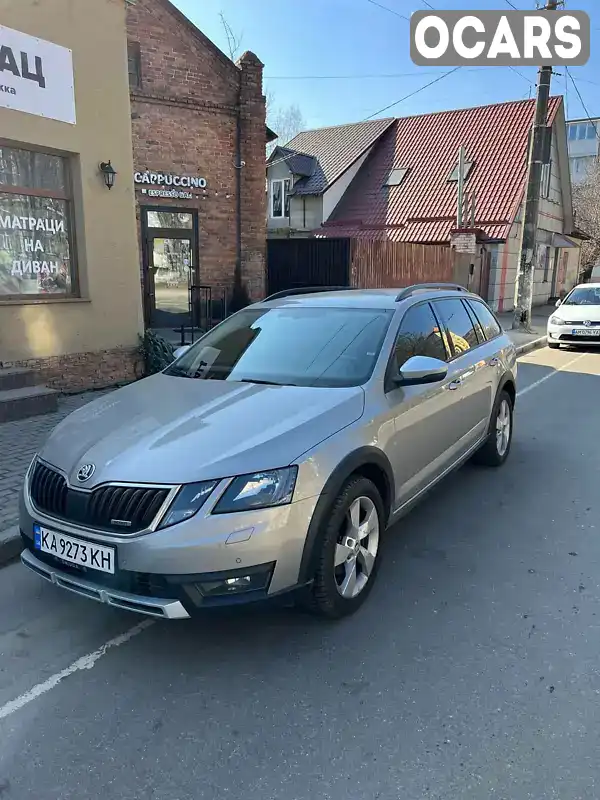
493,362
453,385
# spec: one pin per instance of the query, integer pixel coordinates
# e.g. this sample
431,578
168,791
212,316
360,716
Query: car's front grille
120,509
568,337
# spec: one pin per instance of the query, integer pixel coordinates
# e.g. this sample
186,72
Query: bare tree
286,121
234,40
586,202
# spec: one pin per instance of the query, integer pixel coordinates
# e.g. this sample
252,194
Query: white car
577,320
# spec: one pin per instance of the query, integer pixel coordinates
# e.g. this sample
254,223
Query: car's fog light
238,583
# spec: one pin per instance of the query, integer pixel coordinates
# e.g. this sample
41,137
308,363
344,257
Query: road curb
10,545
530,346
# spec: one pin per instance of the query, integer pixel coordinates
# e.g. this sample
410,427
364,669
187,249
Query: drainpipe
239,164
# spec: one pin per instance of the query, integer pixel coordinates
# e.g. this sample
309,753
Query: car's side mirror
181,350
420,370
558,303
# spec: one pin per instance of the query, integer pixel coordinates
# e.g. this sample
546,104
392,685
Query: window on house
134,64
280,198
36,253
546,262
546,180
396,176
466,172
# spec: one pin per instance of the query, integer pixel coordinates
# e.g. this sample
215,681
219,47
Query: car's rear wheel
497,446
349,554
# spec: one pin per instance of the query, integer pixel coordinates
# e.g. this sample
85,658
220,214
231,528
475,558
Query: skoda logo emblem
85,472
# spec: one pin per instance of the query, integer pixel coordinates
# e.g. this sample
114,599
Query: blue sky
356,38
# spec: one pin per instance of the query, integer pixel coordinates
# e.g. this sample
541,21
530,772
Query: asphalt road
473,671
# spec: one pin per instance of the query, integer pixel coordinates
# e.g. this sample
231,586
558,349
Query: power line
428,5
412,94
581,100
349,77
520,74
386,8
512,5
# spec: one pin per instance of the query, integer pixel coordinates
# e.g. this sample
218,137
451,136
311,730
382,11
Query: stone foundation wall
77,372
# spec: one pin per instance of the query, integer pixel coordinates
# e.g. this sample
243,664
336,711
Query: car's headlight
260,490
557,321
188,500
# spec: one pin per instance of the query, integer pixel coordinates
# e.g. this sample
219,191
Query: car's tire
357,509
553,346
496,449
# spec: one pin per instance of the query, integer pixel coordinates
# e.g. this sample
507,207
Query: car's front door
423,439
469,373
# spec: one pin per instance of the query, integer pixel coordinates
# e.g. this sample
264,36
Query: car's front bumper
563,334
164,573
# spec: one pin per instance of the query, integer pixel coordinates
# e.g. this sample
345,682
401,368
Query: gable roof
298,163
334,150
423,207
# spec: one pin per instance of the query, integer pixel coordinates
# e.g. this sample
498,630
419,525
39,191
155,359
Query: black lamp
109,172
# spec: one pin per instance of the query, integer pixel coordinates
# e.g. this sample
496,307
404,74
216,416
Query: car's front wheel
497,446
349,550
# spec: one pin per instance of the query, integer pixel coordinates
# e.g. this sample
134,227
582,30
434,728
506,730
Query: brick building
199,138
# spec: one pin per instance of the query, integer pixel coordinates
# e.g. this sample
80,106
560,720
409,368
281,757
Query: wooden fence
381,264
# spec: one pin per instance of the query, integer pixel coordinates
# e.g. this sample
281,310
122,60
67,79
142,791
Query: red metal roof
423,207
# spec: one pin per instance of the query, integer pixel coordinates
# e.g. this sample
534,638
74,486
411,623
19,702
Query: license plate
74,551
585,332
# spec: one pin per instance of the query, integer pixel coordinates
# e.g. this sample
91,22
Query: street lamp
109,172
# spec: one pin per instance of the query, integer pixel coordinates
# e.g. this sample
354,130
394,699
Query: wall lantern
109,172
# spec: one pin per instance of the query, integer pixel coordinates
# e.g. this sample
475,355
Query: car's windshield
289,346
584,296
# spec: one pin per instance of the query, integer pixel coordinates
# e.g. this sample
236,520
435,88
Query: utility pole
526,269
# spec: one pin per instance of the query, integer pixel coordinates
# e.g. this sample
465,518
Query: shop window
36,253
134,65
170,219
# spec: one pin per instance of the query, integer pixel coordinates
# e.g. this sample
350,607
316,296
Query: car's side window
488,321
419,335
461,329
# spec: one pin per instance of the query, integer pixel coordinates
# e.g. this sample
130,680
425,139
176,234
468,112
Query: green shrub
156,353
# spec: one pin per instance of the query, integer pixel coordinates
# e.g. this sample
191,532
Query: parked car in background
577,319
270,458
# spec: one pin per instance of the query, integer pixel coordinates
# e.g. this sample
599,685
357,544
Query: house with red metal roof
398,180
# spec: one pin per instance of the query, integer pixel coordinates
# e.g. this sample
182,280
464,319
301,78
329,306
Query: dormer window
396,176
453,177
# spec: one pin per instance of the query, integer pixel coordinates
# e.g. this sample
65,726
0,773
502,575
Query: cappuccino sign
36,76
176,181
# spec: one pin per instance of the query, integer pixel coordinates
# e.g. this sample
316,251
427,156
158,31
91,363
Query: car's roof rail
429,287
307,290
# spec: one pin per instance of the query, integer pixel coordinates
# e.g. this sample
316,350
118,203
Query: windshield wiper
263,383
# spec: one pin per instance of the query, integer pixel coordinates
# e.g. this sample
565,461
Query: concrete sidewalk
539,320
20,440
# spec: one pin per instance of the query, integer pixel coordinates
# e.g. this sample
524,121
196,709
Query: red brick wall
184,121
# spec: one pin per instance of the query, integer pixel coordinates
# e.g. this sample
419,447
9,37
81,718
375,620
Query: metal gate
295,263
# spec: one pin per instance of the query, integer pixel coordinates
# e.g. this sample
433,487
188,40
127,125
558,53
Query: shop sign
175,181
168,194
36,76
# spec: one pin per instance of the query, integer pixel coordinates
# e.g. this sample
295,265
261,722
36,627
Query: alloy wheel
357,547
503,423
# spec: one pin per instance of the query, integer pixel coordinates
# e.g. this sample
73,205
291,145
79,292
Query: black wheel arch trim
506,378
364,456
